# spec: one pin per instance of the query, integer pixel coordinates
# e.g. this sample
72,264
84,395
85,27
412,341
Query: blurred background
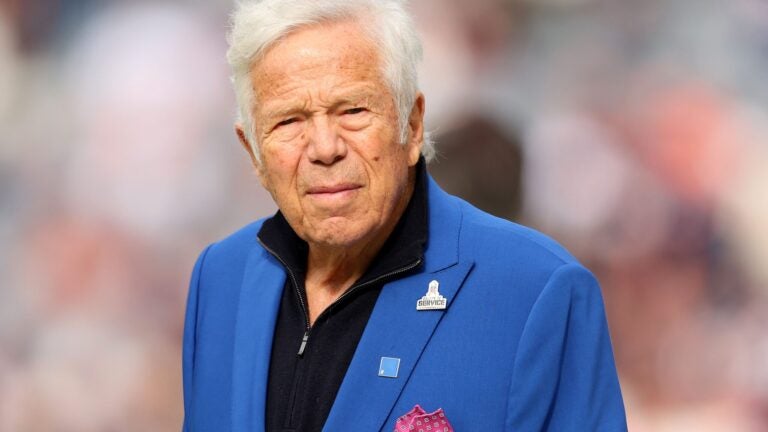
635,132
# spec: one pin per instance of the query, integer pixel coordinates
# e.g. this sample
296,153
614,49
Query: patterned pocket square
418,420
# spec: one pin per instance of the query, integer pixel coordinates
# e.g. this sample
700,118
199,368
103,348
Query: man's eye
286,122
354,110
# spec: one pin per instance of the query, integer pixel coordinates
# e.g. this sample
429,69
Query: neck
335,269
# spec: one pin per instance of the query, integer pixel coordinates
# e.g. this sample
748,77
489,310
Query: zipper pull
303,343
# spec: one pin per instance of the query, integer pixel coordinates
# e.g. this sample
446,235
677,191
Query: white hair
258,24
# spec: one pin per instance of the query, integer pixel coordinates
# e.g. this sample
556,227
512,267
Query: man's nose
325,145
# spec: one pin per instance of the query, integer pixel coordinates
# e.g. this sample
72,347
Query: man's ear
416,130
243,138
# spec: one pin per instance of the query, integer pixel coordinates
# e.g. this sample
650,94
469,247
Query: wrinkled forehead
333,54
344,43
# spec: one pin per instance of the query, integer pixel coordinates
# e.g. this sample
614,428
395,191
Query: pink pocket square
418,420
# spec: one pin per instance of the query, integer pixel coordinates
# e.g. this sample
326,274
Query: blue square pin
389,367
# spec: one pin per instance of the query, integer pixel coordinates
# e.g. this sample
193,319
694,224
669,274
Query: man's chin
338,232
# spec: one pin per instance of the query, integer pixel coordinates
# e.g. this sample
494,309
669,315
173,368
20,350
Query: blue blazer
523,344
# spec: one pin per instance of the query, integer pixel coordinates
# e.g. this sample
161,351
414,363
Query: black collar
404,246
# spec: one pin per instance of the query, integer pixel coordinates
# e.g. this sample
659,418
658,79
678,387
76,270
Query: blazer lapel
255,324
396,329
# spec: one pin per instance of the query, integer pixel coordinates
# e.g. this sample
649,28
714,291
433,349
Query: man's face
328,135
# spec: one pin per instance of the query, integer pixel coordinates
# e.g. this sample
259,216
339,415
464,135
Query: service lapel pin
432,300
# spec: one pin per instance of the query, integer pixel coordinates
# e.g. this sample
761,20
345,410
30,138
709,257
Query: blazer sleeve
564,377
188,346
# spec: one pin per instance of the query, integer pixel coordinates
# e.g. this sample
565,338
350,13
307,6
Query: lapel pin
432,300
389,367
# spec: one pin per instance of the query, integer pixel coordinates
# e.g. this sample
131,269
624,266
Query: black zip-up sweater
307,364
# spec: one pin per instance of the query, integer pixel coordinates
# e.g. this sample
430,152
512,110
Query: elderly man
373,300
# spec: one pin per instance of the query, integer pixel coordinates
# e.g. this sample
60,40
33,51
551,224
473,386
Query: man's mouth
333,196
332,189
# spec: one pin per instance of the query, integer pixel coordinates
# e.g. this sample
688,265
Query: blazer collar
257,309
445,218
